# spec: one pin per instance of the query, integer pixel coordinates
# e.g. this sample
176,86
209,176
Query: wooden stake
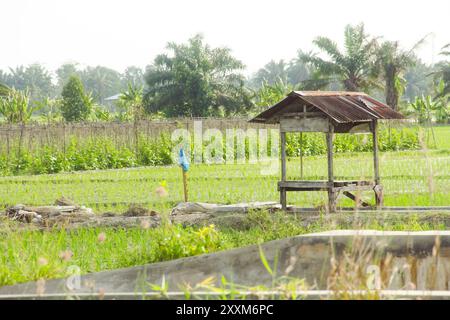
283,170
185,188
331,191
376,167
301,155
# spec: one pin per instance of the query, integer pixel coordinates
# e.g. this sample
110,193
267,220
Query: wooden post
185,189
331,193
301,155
377,189
375,152
283,170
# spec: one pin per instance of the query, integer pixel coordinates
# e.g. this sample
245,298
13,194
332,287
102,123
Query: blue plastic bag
183,161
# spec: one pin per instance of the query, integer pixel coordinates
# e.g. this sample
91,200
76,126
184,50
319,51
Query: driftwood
66,214
236,216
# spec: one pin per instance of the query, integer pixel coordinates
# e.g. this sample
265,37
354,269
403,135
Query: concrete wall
346,259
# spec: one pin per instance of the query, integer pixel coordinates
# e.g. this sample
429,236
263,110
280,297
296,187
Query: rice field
413,178
410,178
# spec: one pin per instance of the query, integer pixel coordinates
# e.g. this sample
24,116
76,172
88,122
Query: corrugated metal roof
342,107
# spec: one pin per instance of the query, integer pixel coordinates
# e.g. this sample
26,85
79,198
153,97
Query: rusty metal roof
342,107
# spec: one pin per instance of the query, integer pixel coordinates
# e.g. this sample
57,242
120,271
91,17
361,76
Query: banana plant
16,106
441,111
268,94
422,108
132,101
425,108
4,90
51,111
100,113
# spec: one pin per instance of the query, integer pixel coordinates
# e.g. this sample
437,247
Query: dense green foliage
15,106
34,78
90,154
443,72
196,80
389,140
103,153
426,109
4,89
292,73
193,79
76,104
268,95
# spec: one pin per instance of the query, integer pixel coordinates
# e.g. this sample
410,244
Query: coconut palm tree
392,61
443,73
194,79
354,68
271,73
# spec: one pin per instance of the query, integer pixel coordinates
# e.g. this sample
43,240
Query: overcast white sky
119,33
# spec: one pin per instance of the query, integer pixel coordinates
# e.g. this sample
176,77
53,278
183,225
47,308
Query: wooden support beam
378,189
301,155
356,199
305,125
331,191
299,185
303,114
376,168
375,152
283,169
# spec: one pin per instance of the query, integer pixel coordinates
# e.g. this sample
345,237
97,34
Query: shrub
105,153
76,105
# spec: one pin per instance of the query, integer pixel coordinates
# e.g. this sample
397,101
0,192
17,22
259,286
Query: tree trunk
19,151
350,85
391,91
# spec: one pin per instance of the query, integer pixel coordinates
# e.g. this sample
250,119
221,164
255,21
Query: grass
32,255
413,178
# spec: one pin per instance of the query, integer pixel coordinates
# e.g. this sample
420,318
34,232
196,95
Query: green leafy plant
76,104
16,107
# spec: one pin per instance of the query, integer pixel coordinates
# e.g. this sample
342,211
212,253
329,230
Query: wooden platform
322,185
335,190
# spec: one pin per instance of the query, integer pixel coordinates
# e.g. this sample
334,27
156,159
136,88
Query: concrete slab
385,260
416,234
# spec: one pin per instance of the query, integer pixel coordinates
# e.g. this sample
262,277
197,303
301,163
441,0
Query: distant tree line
101,82
195,80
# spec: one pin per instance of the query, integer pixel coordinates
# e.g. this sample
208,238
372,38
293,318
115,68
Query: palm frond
4,90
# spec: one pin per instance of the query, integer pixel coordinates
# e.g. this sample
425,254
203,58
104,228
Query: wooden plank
304,114
311,185
316,185
354,198
361,128
304,125
353,182
354,188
